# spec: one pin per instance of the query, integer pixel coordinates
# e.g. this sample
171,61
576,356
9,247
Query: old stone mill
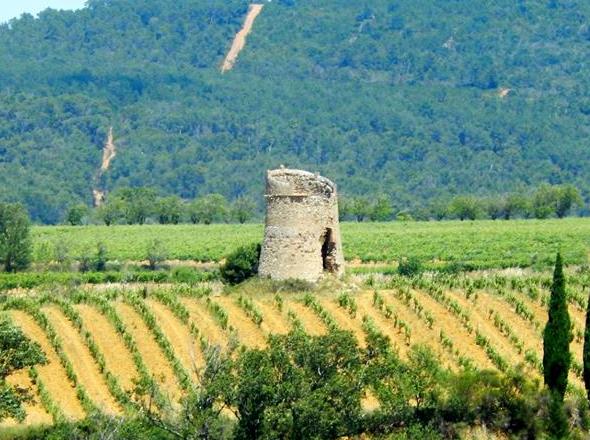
302,233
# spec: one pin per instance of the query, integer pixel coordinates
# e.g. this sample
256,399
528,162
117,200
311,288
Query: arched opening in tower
329,252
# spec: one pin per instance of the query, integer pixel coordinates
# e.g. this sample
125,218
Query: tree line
144,205
544,202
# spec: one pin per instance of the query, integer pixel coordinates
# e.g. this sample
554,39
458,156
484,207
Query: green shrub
15,237
29,280
100,263
241,265
156,254
95,427
85,263
456,267
409,267
187,275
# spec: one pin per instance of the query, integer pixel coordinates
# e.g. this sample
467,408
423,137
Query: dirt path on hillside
53,375
240,39
108,154
85,366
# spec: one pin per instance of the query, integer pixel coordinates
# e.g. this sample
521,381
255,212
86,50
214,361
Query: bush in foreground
313,387
309,387
409,267
241,264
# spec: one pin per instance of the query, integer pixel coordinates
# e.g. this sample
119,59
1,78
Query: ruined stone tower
302,234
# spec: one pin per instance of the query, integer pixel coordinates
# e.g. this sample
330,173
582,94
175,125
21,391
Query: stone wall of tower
302,234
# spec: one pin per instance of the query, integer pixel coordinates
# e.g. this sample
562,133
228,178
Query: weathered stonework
302,233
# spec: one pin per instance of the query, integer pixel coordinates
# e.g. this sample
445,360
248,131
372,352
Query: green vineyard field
479,244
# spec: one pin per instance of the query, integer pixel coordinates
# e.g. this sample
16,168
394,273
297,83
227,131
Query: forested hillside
414,100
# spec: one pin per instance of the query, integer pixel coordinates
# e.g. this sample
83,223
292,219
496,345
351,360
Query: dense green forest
414,100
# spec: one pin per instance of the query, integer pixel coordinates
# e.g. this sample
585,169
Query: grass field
99,340
480,244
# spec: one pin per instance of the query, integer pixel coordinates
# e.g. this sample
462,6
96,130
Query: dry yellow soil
36,414
187,348
53,375
85,367
204,322
118,360
150,351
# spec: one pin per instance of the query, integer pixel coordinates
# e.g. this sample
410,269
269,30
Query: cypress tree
587,350
15,239
557,336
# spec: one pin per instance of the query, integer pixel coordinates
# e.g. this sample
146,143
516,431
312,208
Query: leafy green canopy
241,264
304,387
416,100
15,240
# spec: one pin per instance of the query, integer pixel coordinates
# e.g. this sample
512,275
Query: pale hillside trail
36,413
118,359
108,154
84,365
240,40
150,351
53,374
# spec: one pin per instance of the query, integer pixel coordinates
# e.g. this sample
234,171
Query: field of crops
101,340
479,244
